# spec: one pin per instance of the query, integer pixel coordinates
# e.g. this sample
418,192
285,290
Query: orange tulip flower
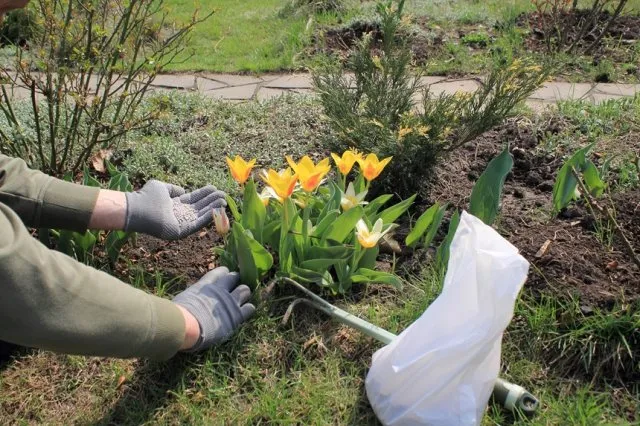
310,174
240,169
371,167
283,183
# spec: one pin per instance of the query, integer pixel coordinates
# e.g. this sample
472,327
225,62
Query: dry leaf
121,381
577,222
211,266
202,234
612,265
543,249
97,161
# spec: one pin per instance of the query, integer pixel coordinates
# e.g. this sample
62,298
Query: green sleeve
50,301
42,201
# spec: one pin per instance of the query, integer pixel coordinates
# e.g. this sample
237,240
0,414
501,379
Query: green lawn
246,35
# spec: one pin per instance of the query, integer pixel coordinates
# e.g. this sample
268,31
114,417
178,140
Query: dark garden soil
188,259
565,254
343,40
624,30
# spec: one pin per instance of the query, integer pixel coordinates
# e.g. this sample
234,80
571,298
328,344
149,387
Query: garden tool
444,367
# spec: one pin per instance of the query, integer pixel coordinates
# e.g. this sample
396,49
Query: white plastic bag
441,370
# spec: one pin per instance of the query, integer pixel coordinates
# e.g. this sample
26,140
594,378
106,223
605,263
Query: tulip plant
319,230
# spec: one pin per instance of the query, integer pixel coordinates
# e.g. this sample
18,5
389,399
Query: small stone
586,310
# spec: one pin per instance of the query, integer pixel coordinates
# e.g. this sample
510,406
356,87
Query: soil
189,258
565,254
624,29
343,40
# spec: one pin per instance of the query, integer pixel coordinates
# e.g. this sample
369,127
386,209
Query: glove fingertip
247,310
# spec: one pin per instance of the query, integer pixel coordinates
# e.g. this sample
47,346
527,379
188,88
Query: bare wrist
110,211
192,329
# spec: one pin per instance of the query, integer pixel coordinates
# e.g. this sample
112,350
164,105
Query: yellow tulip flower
369,238
310,174
240,169
371,167
282,183
346,162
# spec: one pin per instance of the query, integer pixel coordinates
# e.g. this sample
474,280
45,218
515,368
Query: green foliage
19,26
87,72
192,125
476,39
314,243
82,245
565,187
374,110
426,226
487,191
604,344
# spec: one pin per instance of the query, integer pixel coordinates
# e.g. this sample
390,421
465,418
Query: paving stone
429,80
617,89
291,81
175,81
233,79
558,91
451,87
18,93
265,93
204,84
308,92
238,92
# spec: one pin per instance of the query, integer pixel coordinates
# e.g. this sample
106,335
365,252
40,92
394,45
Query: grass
311,370
243,36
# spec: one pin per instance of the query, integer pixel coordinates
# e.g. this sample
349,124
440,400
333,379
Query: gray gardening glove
166,211
219,304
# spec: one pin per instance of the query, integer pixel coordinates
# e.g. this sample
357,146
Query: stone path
239,88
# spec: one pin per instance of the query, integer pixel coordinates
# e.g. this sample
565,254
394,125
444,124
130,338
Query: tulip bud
221,221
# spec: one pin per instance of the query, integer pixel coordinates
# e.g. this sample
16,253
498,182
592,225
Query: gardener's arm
162,210
50,301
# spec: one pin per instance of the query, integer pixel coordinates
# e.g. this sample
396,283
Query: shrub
86,72
19,27
374,110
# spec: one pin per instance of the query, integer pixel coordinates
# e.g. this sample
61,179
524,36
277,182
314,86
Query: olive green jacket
50,301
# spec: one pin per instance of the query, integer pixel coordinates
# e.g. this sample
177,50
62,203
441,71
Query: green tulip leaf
487,191
392,213
564,189
254,212
364,275
344,225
